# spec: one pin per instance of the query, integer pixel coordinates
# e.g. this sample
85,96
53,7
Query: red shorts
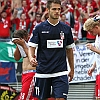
27,86
97,88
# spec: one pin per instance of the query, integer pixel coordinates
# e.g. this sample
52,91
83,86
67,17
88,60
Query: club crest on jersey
62,35
59,43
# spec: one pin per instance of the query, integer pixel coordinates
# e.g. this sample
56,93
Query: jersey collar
53,24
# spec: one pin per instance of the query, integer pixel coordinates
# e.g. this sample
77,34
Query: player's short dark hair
20,33
49,2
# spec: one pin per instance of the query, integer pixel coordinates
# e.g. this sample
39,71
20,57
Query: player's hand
90,46
33,62
90,71
71,75
19,41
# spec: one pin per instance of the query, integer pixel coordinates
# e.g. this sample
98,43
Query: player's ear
47,9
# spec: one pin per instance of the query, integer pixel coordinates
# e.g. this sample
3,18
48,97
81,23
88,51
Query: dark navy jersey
52,41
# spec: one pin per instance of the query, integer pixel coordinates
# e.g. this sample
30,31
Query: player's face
94,31
54,11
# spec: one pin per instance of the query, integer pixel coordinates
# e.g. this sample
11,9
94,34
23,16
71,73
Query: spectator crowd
26,14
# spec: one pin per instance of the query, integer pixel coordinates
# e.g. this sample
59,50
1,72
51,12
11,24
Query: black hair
49,2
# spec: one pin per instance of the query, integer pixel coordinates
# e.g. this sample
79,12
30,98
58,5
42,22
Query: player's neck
53,21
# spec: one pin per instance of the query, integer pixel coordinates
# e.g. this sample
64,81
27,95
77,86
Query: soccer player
20,38
92,25
55,42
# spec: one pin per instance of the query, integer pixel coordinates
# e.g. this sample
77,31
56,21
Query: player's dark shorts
56,87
